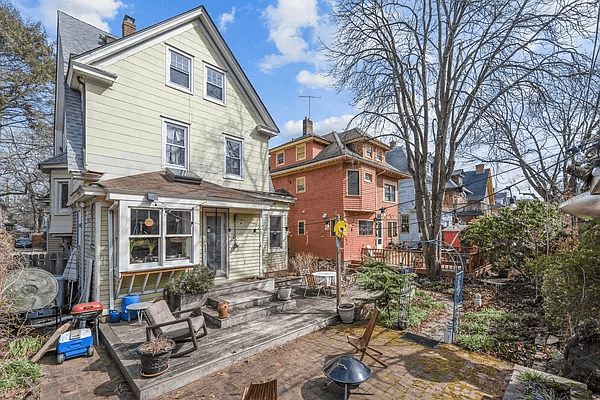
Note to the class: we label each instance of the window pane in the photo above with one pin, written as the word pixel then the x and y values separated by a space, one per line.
pixel 179 223
pixel 145 222
pixel 179 78
pixel 175 148
pixel 175 135
pixel 178 248
pixel 214 84
pixel 275 232
pixel 143 250
pixel 300 227
pixel 353 183
pixel 365 228
pixel 279 158
pixel 233 160
pixel 64 194
pixel 180 62
pixel 214 91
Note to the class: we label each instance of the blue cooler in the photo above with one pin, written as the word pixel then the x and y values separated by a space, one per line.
pixel 74 343
pixel 127 300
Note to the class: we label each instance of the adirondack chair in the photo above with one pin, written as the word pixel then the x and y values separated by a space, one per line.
pixel 361 344
pixel 261 391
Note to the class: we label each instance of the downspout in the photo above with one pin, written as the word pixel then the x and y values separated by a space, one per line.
pixel 82 89
pixel 111 260
pixel 260 243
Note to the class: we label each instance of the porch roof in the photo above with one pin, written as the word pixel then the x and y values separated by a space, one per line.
pixel 158 182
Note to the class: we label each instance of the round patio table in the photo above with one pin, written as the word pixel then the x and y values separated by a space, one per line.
pixel 139 307
pixel 327 276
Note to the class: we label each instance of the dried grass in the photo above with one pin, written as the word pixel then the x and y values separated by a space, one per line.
pixel 303 262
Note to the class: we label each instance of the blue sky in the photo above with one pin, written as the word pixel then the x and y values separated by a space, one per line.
pixel 276 42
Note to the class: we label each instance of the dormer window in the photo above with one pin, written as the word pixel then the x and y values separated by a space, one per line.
pixel 368 151
pixel 214 89
pixel 379 155
pixel 179 70
pixel 300 152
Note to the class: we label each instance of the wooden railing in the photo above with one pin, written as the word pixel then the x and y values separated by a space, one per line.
pixel 473 260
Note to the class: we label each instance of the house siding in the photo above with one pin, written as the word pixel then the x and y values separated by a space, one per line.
pixel 133 107
pixel 244 260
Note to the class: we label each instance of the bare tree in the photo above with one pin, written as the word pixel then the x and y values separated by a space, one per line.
pixel 427 71
pixel 26 98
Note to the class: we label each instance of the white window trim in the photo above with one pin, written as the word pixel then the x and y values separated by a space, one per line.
pixel 164 122
pixel 348 183
pixel 395 193
pixel 277 163
pixel 283 233
pixel 57 208
pixel 400 232
pixel 206 96
pixel 373 231
pixel 368 149
pixel 168 51
pixel 241 141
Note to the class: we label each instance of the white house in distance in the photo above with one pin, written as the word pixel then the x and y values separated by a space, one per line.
pixel 161 158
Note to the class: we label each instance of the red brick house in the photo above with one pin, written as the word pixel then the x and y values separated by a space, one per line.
pixel 338 175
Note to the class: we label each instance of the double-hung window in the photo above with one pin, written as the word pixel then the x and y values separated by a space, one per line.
pixel 280 158
pixel 159 236
pixel 365 228
pixel 368 151
pixel 180 69
pixel 175 145
pixel 404 223
pixel 301 184
pixel 301 228
pixel 353 184
pixel 214 84
pixel 392 229
pixel 275 232
pixel 389 193
pixel 234 157
pixel 300 152
pixel 62 196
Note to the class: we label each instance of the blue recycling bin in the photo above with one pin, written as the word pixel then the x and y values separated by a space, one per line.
pixel 127 300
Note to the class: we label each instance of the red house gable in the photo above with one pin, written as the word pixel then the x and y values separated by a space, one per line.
pixel 342 175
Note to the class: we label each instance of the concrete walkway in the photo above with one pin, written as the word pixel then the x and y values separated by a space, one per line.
pixel 414 372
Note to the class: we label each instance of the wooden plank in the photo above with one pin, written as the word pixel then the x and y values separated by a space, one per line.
pixel 51 341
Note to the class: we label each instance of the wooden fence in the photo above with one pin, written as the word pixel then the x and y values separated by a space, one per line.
pixel 52 262
pixel 475 264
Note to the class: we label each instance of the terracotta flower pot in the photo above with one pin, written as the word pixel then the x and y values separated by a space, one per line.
pixel 223 308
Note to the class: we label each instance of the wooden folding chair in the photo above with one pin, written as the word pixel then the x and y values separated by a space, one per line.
pixel 261 391
pixel 361 344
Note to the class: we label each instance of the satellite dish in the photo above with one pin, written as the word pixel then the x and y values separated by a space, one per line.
pixel 30 289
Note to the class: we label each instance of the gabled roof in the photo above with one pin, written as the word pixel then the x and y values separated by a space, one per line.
pixel 106 54
pixel 476 182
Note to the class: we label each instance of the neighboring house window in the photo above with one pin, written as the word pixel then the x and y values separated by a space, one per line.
pixel 365 228
pixel 275 232
pixel 280 158
pixel 62 196
pixel 147 238
pixel 392 229
pixel 368 177
pixel 301 228
pixel 175 139
pixel 379 155
pixel 180 69
pixel 234 151
pixel 389 193
pixel 405 223
pixel 301 185
pixel 215 84
pixel 300 152
pixel 332 227
pixel 368 151
pixel 353 184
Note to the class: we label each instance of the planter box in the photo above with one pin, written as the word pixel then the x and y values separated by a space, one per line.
pixel 187 301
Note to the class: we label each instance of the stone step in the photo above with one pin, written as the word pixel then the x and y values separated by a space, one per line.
pixel 241 300
pixel 224 287
pixel 246 315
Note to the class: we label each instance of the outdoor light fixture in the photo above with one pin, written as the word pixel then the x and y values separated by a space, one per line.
pixel 152 196
pixel 325 216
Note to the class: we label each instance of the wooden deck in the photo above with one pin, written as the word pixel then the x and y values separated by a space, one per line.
pixel 220 348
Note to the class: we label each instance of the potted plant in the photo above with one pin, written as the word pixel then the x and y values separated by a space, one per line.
pixel 151 244
pixel 285 293
pixel 346 311
pixel 189 289
pixel 154 356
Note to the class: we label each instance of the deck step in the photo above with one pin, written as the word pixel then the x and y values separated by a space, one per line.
pixel 245 315
pixel 241 300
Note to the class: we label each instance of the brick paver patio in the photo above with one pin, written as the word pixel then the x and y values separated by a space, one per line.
pixel 414 372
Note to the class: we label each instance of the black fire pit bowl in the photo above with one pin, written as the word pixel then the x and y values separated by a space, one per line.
pixel 347 372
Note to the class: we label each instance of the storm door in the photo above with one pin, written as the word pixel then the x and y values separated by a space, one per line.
pixel 379 233
pixel 215 232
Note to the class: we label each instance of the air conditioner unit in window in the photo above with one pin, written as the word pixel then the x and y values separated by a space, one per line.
pixel 378 216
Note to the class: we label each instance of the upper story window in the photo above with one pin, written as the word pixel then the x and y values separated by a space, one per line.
pixel 368 151
pixel 365 228
pixel 280 158
pixel 379 155
pixel 301 228
pixel 389 193
pixel 215 84
pixel 404 223
pixel 175 145
pixel 353 184
pixel 234 160
pixel 301 185
pixel 180 69
pixel 368 177
pixel 275 232
pixel 62 196
pixel 392 229
pixel 301 152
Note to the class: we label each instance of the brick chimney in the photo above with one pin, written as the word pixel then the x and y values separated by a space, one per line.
pixel 128 25
pixel 307 126
pixel 479 168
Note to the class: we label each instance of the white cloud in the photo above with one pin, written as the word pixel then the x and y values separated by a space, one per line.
pixel 314 80
pixel 94 12
pixel 288 24
pixel 226 19
pixel 293 129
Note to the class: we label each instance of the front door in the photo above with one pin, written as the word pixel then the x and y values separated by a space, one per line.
pixel 379 233
pixel 215 232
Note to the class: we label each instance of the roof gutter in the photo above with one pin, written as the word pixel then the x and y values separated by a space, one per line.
pixel 334 160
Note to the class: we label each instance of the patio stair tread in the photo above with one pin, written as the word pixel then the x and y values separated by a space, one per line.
pixel 245 315
pixel 243 299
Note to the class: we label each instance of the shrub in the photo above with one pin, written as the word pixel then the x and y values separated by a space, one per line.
pixel 303 262
pixel 477 342
pixel 199 279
